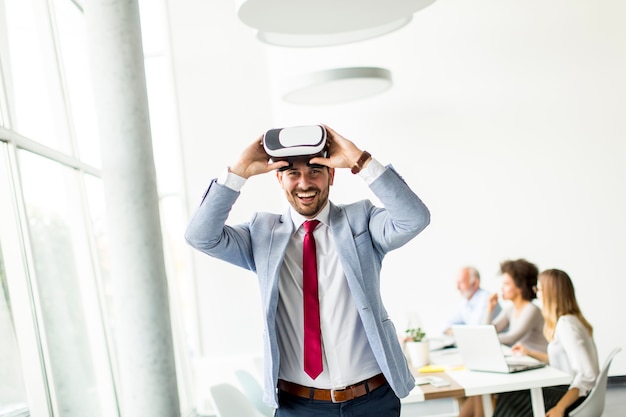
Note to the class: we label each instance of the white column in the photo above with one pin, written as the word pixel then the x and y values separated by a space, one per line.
pixel 147 382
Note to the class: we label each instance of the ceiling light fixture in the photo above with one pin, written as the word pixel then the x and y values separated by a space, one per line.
pixel 325 22
pixel 330 39
pixel 338 85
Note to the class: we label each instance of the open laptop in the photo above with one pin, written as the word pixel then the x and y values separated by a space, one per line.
pixel 481 350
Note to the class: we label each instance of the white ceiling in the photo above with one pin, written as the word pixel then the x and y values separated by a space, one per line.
pixel 458 58
pixel 472 82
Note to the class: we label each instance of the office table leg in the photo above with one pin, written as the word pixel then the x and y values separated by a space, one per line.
pixel 536 397
pixel 487 405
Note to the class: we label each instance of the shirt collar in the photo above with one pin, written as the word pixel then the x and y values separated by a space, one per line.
pixel 298 219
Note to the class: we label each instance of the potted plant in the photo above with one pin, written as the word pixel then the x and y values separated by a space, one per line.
pixel 416 347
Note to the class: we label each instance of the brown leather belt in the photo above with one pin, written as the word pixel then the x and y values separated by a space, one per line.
pixel 335 395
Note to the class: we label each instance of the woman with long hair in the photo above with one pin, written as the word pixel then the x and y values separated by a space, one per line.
pixel 570 349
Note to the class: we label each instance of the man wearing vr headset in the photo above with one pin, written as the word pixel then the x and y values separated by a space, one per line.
pixel 364 371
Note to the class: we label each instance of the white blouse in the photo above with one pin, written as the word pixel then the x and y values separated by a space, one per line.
pixel 574 351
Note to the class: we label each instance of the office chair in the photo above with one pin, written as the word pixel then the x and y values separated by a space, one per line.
pixel 230 402
pixel 593 406
pixel 253 390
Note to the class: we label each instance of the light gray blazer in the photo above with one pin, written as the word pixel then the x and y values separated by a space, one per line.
pixel 363 234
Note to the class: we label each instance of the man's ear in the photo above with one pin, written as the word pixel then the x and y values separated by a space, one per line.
pixel 331 172
pixel 279 177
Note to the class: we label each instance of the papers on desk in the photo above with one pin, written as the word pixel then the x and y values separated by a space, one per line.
pixel 441 342
pixel 443 360
pixel 431 368
pixel 439 368
pixel 435 381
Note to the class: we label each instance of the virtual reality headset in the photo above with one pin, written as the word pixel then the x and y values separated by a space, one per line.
pixel 297 142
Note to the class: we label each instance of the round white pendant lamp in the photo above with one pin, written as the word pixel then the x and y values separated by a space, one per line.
pixel 325 22
pixel 338 85
pixel 330 39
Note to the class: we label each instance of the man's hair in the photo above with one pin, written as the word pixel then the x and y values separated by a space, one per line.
pixel 305 158
pixel 474 275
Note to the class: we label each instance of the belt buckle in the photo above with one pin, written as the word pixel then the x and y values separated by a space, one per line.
pixel 332 395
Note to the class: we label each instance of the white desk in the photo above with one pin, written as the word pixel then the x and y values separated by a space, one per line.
pixel 469 383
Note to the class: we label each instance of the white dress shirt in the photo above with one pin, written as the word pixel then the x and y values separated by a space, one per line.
pixel 347 357
pixel 474 311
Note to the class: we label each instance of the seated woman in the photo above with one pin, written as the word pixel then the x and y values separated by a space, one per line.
pixel 571 349
pixel 520 320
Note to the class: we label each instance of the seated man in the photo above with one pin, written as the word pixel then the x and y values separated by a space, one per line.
pixel 474 307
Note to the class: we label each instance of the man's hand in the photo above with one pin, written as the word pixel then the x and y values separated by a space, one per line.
pixel 342 153
pixel 493 302
pixel 254 161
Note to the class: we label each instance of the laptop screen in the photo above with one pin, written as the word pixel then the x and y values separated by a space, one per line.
pixel 481 350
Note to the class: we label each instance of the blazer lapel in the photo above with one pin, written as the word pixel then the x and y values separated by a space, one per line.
pixel 277 242
pixel 346 249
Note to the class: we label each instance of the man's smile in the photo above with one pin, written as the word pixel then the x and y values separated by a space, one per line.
pixel 306 196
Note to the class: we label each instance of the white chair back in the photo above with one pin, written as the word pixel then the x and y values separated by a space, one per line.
pixel 230 402
pixel 593 406
pixel 254 391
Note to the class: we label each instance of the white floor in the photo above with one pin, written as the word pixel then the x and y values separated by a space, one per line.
pixel 615 405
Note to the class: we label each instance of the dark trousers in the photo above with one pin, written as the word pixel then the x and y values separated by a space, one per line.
pixel 381 402
pixel 518 403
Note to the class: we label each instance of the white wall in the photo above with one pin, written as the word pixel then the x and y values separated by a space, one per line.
pixel 508 120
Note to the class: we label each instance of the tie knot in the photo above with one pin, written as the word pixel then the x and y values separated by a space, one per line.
pixel 310 225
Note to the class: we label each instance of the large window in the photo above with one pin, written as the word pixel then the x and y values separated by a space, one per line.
pixel 31 75
pixel 66 290
pixel 73 52
pixel 55 291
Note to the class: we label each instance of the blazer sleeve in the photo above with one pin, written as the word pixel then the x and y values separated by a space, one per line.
pixel 404 215
pixel 207 230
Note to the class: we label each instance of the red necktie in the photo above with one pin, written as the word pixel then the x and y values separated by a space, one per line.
pixel 312 329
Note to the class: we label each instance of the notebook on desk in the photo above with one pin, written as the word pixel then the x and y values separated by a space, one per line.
pixel 481 350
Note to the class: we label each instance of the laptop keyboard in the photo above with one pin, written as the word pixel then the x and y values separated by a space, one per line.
pixel 516 367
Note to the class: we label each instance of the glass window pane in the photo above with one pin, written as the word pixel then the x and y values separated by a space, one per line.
pixel 4 118
pixel 12 392
pixel 74 54
pixel 95 200
pixel 163 125
pixel 75 342
pixel 34 98
pixel 4 121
